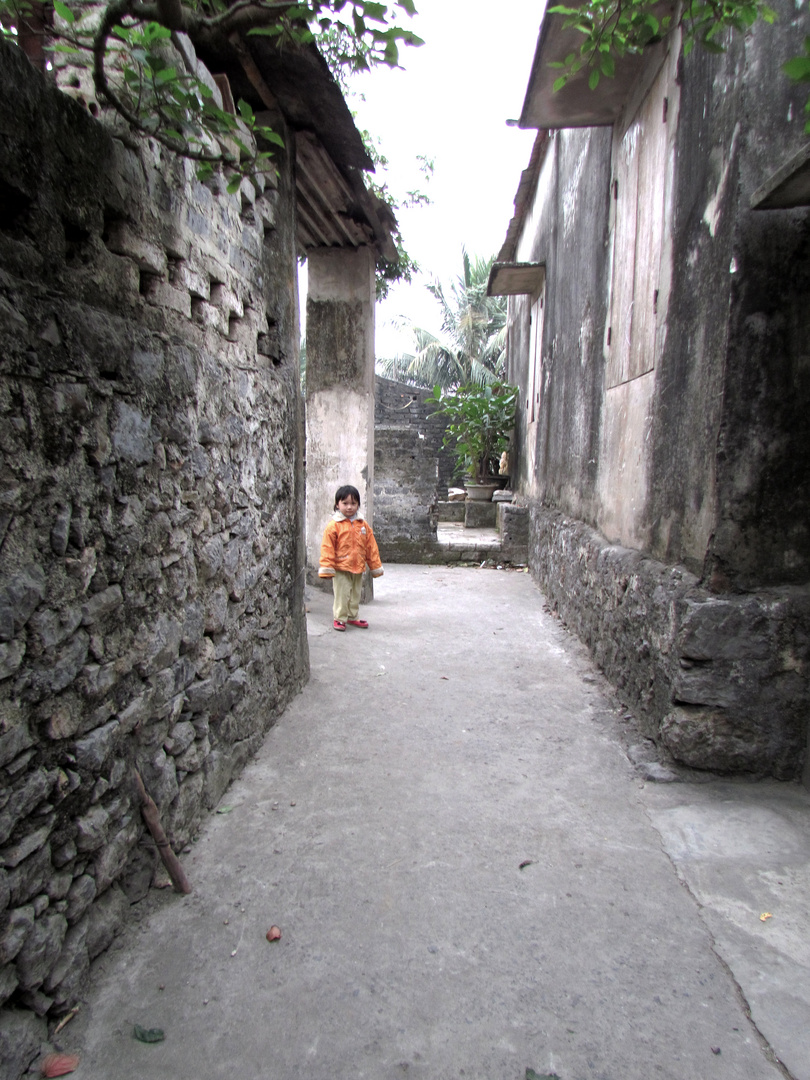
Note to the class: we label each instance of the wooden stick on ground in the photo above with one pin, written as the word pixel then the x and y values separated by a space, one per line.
pixel 152 819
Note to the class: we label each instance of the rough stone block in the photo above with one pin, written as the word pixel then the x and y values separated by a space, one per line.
pixel 709 684
pixel 40 950
pixel 19 924
pixel 14 855
pixel 122 240
pixel 63 668
pixel 101 604
pixel 132 434
pixel 97 680
pixel 111 860
pixel 33 790
pixel 11 657
pixel 54 627
pixel 92 828
pixel 180 738
pixel 135 713
pixel 94 749
pixel 164 295
pixel 16 740
pixel 734 629
pixel 192 759
pixel 105 919
pixel 31 877
pixel 218 770
pixel 21 1035
pixel 19 599
pixel 36 1000
pixel 186 811
pixel 160 646
pixel 80 897
pixel 159 776
pixel 8 984
pixel 721 739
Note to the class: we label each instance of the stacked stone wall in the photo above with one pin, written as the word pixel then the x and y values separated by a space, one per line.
pixel 719 680
pixel 410 470
pixel 151 562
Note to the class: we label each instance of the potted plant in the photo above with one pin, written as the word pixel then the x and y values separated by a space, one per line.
pixel 480 420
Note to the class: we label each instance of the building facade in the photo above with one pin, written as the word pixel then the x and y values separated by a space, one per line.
pixel 658 329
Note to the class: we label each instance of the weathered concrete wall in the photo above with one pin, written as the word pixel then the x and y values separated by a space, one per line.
pixel 151 605
pixel 559 452
pixel 410 470
pixel 763 461
pixel 340 387
pixel 719 446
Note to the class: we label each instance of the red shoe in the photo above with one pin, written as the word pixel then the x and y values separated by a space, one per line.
pixel 338 625
pixel 358 622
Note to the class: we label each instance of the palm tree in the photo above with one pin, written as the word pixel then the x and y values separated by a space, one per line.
pixel 470 348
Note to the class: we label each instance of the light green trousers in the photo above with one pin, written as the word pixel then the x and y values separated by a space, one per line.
pixel 346 588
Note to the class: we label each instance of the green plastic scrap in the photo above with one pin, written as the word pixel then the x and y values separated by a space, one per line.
pixel 148 1035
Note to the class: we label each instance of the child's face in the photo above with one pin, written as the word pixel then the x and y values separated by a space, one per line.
pixel 348 506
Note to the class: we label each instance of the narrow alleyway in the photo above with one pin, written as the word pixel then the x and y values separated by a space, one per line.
pixel 470 878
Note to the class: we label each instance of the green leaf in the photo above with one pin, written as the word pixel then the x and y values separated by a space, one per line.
pixel 271 136
pixel 234 184
pixel 245 111
pixel 559 83
pixel 63 11
pixel 148 1035
pixel 797 68
pixel 375 11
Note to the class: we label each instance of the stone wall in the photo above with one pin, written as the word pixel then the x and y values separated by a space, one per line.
pixel 411 470
pixel 151 606
pixel 718 680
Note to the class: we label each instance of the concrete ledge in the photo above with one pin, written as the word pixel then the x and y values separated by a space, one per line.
pixel 480 514
pixel 451 511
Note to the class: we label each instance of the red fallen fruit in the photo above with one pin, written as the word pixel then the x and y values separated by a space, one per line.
pixel 273 934
pixel 59 1064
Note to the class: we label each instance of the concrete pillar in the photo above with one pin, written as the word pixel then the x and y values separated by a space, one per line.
pixel 340 384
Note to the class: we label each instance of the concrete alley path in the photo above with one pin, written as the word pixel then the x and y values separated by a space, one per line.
pixel 468 877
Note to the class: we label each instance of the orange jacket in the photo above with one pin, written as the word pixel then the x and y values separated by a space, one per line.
pixel 349 545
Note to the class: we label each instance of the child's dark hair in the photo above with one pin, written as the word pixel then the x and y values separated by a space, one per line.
pixel 344 492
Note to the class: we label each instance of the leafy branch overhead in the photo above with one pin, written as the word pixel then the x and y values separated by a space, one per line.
pixel 612 29
pixel 139 66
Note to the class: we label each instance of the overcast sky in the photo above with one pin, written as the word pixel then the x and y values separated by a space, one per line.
pixel 450 103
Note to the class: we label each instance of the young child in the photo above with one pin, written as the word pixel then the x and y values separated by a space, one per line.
pixel 348 545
